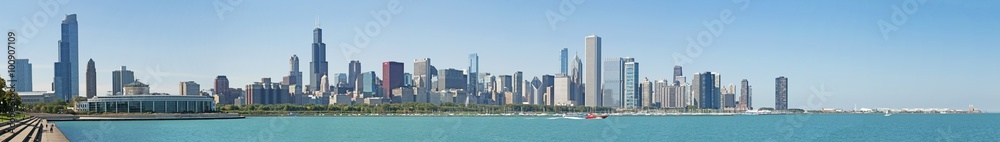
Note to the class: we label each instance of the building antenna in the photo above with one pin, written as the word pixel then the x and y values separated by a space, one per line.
pixel 317 21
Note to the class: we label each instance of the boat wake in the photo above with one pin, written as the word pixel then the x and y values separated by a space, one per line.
pixel 568 117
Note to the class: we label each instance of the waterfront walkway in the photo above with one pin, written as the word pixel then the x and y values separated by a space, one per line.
pixel 55 135
pixel 32 129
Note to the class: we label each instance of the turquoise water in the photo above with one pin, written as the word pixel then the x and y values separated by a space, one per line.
pixel 816 127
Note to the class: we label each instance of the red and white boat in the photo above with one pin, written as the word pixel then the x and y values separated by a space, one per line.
pixel 592 116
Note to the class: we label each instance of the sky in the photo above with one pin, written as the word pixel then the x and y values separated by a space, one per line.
pixel 835 54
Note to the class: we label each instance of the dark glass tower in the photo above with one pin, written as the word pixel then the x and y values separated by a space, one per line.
pixel 677 71
pixel 353 73
pixel 564 59
pixel 710 96
pixel 781 93
pixel 318 65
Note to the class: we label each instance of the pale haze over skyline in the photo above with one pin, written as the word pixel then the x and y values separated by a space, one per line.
pixel 943 55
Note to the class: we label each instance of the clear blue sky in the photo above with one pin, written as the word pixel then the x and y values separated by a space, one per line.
pixel 943 56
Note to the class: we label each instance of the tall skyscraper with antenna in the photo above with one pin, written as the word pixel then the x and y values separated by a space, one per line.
pixel 318 65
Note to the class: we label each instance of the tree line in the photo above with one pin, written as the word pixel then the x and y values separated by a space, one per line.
pixel 411 108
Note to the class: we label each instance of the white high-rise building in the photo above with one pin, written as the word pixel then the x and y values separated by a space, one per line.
pixel 661 93
pixel 562 91
pixel 592 95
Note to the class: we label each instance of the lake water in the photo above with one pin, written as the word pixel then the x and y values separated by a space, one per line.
pixel 815 127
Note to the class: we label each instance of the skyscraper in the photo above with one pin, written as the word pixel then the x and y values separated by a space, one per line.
pixel 119 78
pixel 324 85
pixel 266 92
pixel 678 95
pixel 408 80
pixel 710 95
pixel 318 65
pixel 190 88
pixel 338 79
pixel 66 79
pixel 392 77
pixel 422 69
pixel 222 90
pixel 518 84
pixel 91 79
pixel 632 93
pixel 22 75
pixel 294 75
pixel 548 81
pixel 614 83
pixel 593 94
pixel 451 79
pixel 503 85
pixel 647 92
pixel 561 93
pixel 662 95
pixel 564 60
pixel 781 93
pixel 745 102
pixel 354 73
pixel 576 82
pixel 369 84
pixel 533 91
pixel 729 96
pixel 678 71
pixel 473 75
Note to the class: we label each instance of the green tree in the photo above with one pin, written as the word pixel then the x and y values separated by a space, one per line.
pixel 9 100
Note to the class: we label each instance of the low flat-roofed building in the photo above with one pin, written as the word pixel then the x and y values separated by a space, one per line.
pixel 341 100
pixel 36 97
pixel 374 100
pixel 151 103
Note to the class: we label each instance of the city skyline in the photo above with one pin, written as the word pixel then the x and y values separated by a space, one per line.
pixel 873 59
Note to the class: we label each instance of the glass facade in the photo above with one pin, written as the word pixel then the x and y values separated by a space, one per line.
pixel 564 60
pixel 613 83
pixel 151 104
pixel 473 75
pixel 633 95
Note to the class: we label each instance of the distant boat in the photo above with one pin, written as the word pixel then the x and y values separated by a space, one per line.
pixel 887 113
pixel 292 114
pixel 592 116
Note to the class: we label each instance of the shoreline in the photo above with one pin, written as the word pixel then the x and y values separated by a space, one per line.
pixel 559 115
pixel 135 117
